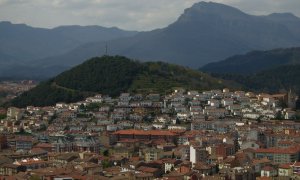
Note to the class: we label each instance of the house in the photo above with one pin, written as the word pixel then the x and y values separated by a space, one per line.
pixel 15 113
pixel 24 143
pixel 268 171
pixel 11 169
pixel 169 164
pixel 251 115
pixel 279 155
pixel 154 171
pixel 64 159
pixel 151 154
pixel 224 150
pixel 285 170
pixel 249 144
pixel 144 135
pixel 227 102
pixel 289 115
pixel 198 154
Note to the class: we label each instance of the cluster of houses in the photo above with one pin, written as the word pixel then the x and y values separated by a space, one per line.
pixel 216 134
pixel 11 89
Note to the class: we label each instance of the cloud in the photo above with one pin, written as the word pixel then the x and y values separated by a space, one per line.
pixel 126 14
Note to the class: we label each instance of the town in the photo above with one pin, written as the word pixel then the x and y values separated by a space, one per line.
pixel 215 134
pixel 11 89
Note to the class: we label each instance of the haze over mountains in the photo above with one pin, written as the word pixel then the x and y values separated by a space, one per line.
pixel 204 33
pixel 21 45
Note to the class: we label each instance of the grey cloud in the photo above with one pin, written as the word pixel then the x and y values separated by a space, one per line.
pixel 126 14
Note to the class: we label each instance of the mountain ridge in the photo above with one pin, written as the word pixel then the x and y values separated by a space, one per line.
pixel 206 32
pixel 197 37
pixel 255 61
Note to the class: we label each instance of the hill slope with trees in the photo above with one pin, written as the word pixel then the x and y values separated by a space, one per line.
pixel 113 75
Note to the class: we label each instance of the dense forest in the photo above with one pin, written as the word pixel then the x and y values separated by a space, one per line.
pixel 255 62
pixel 280 79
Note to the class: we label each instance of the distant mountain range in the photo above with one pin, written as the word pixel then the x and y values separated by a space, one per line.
pixel 21 45
pixel 270 71
pixel 206 32
pixel 113 75
pixel 254 62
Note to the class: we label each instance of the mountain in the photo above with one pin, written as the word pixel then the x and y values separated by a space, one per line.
pixel 289 20
pixel 21 44
pixel 268 71
pixel 204 33
pixel 255 61
pixel 113 75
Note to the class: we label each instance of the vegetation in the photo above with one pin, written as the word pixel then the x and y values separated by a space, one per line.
pixel 255 62
pixel 46 93
pixel 113 75
pixel 279 79
pixel 2 116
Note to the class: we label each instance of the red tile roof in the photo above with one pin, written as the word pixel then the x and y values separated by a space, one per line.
pixel 142 132
pixel 268 168
pixel 291 150
pixel 147 169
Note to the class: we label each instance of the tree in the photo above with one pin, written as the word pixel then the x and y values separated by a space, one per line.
pixel 106 153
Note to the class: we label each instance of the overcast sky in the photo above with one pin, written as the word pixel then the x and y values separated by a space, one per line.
pixel 126 14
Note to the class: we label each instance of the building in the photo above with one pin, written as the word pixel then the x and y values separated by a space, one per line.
pixel 151 154
pixel 198 154
pixel 279 155
pixel 24 143
pixel 142 135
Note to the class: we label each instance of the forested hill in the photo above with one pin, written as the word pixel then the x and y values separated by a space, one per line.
pixel 113 75
pixel 274 80
pixel 255 61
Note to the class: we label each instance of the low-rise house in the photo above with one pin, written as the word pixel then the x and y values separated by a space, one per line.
pixel 268 171
pixel 285 170
pixel 251 115
pixel 64 159
pixel 227 102
pixel 151 154
pixel 289 115
pixel 149 170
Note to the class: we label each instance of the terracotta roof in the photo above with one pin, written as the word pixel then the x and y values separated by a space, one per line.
pixel 147 169
pixel 285 166
pixel 142 132
pixel 44 145
pixel 259 161
pixel 268 168
pixel 291 150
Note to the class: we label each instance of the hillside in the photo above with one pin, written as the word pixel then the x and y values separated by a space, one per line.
pixel 206 32
pixel 282 78
pixel 112 75
pixel 255 62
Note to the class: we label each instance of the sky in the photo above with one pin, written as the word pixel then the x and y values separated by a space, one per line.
pixel 141 15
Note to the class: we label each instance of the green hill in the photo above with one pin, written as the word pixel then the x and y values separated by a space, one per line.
pixel 282 78
pixel 255 62
pixel 113 75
